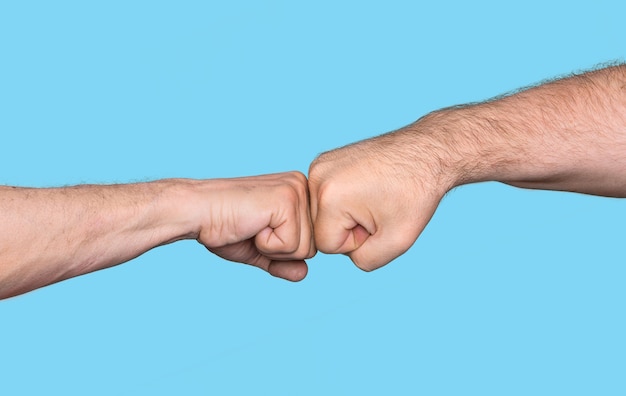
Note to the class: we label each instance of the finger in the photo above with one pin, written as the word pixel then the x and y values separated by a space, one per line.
pixel 380 249
pixel 305 248
pixel 246 253
pixel 291 270
pixel 243 252
pixel 282 235
pixel 306 244
pixel 339 236
pixel 313 188
pixel 294 271
pixel 307 241
pixel 290 231
pixel 339 231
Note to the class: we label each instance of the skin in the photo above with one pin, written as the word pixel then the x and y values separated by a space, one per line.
pixel 369 200
pixel 49 235
pixel 372 199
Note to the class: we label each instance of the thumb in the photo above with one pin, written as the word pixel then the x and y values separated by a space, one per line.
pixel 339 232
pixel 368 244
pixel 379 249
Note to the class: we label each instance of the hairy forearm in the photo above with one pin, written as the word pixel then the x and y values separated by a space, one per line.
pixel 567 135
pixel 372 199
pixel 49 235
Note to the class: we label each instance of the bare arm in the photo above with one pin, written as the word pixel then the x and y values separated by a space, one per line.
pixel 48 235
pixel 568 135
pixel 372 199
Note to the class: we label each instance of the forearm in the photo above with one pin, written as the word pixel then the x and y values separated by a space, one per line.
pixel 372 199
pixel 48 235
pixel 566 135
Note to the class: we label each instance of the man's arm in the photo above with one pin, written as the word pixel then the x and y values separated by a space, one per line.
pixel 48 235
pixel 372 199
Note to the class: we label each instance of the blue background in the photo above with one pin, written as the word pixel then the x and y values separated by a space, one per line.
pixel 508 291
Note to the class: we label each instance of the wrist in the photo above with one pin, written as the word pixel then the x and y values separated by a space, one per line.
pixel 472 144
pixel 176 205
pixel 444 149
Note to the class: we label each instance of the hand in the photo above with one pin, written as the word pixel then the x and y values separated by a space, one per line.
pixel 262 221
pixel 371 200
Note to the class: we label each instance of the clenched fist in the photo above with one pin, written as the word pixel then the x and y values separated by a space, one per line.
pixel 260 220
pixel 372 199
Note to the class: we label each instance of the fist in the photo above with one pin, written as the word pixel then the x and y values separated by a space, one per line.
pixel 261 220
pixel 372 199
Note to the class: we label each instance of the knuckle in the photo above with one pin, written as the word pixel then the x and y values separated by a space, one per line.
pixel 327 192
pixel 295 186
pixel 296 178
pixel 300 177
pixel 287 193
pixel 316 167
